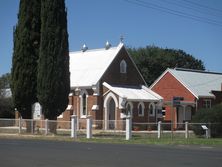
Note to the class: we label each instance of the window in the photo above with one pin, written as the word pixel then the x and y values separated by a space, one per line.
pixel 83 103
pixel 207 103
pixel 151 109
pixel 129 108
pixel 140 109
pixel 123 67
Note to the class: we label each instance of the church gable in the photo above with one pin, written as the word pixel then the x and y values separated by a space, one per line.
pixel 123 71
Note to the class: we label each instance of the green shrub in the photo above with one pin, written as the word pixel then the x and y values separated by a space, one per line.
pixel 213 118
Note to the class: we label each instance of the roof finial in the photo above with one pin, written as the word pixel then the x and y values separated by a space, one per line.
pixel 84 48
pixel 121 39
pixel 108 45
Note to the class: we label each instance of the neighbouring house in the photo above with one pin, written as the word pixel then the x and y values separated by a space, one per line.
pixel 200 89
pixel 107 85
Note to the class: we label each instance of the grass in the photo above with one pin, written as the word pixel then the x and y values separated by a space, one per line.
pixel 120 139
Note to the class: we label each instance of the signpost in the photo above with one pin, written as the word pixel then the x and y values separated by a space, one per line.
pixel 176 101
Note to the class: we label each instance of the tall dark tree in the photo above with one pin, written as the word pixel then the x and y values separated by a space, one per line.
pixel 152 61
pixel 53 68
pixel 25 57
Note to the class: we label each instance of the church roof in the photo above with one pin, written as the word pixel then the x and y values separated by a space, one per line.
pixel 140 93
pixel 88 66
pixel 199 83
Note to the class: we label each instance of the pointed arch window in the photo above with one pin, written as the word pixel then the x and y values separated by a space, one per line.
pixel 83 104
pixel 152 109
pixel 141 109
pixel 129 109
pixel 123 67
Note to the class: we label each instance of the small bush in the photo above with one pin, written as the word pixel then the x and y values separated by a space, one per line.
pixel 213 118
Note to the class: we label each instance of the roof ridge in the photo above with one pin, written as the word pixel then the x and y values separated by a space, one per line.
pixel 195 70
pixel 97 49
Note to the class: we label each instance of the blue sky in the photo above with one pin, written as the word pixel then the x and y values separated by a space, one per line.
pixel 141 22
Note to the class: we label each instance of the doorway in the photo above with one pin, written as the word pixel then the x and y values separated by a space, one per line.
pixel 111 114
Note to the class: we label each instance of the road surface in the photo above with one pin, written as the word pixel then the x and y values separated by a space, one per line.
pixel 35 153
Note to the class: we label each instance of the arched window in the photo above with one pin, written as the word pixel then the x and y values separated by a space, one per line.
pixel 123 67
pixel 83 103
pixel 129 109
pixel 141 109
pixel 152 109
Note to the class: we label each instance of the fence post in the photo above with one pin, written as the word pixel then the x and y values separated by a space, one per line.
pixel 32 126
pixel 46 126
pixel 20 125
pixel 186 130
pixel 89 127
pixel 159 129
pixel 73 126
pixel 128 127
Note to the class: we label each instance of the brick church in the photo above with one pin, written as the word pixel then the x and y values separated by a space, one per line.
pixel 107 85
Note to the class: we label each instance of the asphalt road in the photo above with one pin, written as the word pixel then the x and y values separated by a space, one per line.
pixel 34 153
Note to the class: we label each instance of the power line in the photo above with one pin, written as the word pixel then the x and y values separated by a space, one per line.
pixel 203 6
pixel 185 5
pixel 173 12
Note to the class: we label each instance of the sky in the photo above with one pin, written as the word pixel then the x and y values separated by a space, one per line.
pixel 194 26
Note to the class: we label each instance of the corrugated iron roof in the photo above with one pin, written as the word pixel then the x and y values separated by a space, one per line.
pixel 201 83
pixel 86 68
pixel 134 93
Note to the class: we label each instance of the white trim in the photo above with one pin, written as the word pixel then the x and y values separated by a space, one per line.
pixel 152 92
pixel 119 47
pixel 131 109
pixel 107 99
pixel 159 78
pixel 69 107
pixel 164 73
pixel 60 116
pixel 142 105
pixel 136 68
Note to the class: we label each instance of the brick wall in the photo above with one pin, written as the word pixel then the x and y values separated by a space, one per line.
pixel 113 75
pixel 168 87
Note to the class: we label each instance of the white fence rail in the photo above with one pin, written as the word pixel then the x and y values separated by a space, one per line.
pixel 89 128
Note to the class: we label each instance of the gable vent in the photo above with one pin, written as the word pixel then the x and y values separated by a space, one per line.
pixel 84 48
pixel 108 45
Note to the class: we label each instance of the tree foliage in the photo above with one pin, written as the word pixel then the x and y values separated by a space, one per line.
pixel 25 56
pixel 4 83
pixel 152 61
pixel 213 116
pixel 53 68
pixel 6 106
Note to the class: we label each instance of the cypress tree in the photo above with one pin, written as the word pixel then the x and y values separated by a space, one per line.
pixel 25 57
pixel 53 68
